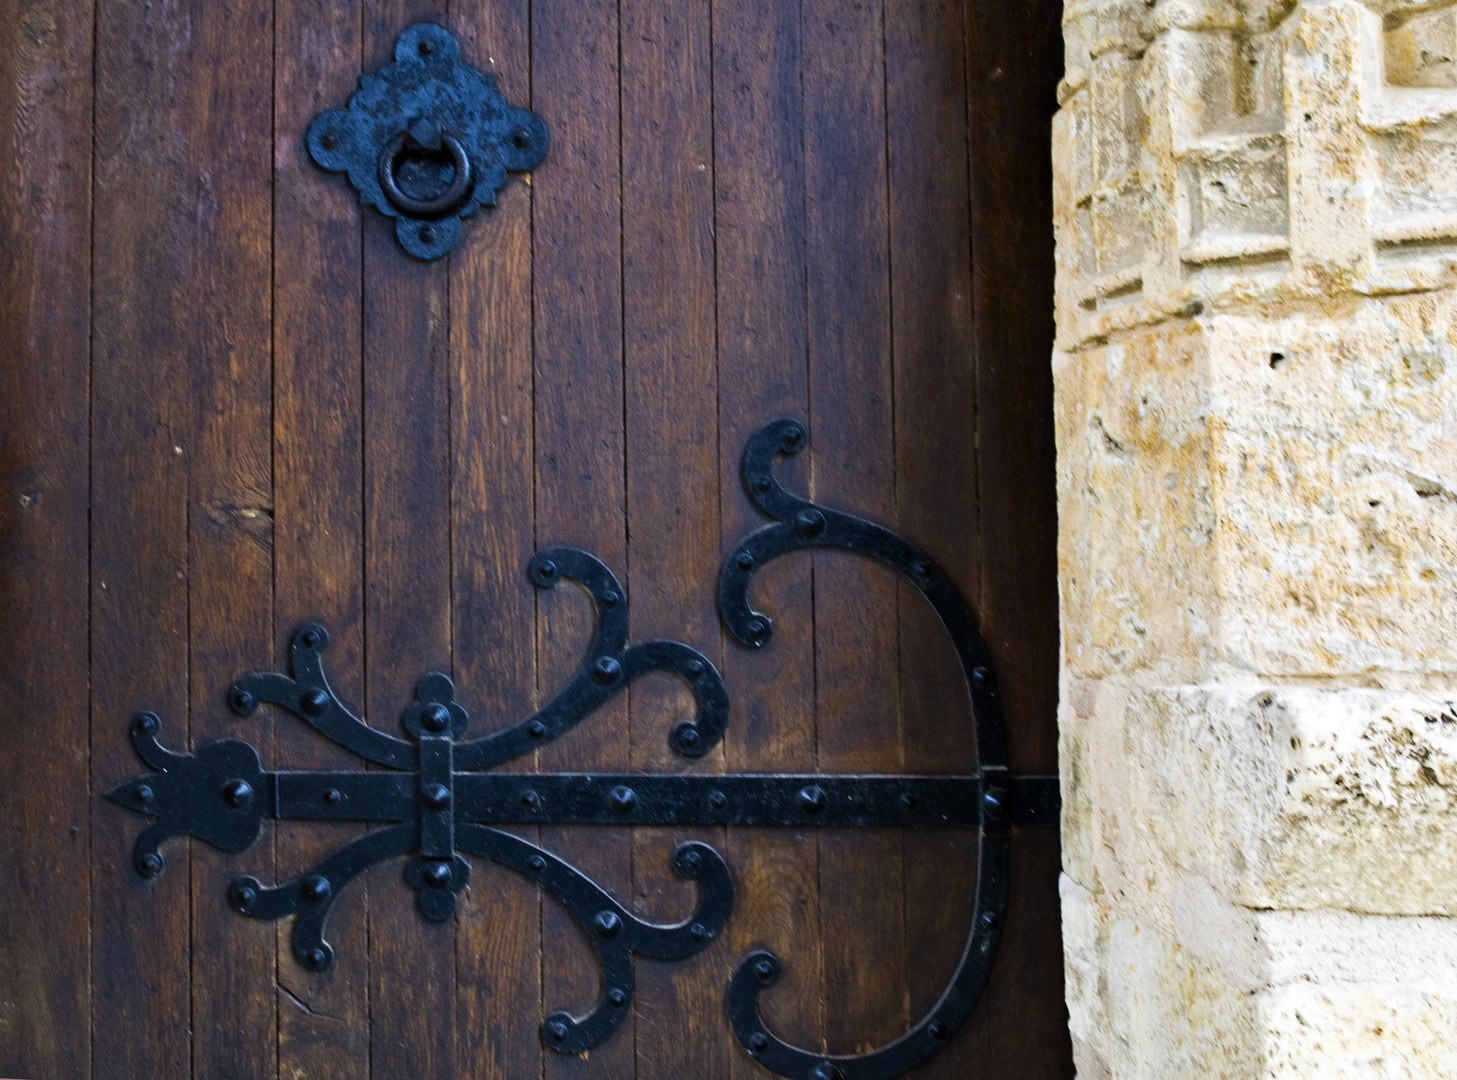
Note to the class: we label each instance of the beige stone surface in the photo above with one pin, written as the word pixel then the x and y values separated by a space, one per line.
pixel 1256 393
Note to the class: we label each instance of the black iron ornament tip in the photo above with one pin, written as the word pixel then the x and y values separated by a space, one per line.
pixel 427 140
pixel 438 803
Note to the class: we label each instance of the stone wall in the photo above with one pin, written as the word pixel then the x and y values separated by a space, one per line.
pixel 1257 434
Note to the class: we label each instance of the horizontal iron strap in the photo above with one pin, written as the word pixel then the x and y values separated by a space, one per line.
pixel 775 799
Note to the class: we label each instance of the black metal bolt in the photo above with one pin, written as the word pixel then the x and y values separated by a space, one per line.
pixel 606 670
pixel 557 1030
pixel 764 969
pixel 792 438
pixel 332 796
pixel 762 484
pixel 688 736
pixel 314 702
pixel 316 959
pixel 908 801
pixel 622 799
pixel 694 667
pixel 241 701
pixel 698 931
pixel 537 863
pixel 608 924
pixel 536 730
pixel 329 140
pixel 150 864
pixel 243 894
pixel 427 234
pixel 529 798
pixel 316 888
pixel 436 796
pixel 758 1040
pixel 994 801
pixel 521 138
pixel 825 1071
pixel 812 799
pixel 311 636
pixel 755 627
pixel 717 799
pixel 144 794
pixel 937 1029
pixel 744 561
pixel 610 598
pixel 238 792
pixel 989 919
pixel 809 522
pixel 426 47
pixel 147 723
pixel 437 873
pixel 692 859
pixel 922 569
pixel 436 717
pixel 980 675
pixel 617 996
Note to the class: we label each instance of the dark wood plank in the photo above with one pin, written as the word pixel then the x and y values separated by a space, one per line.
pixel 227 110
pixel 45 912
pixel 498 947
pixel 760 230
pixel 577 253
pixel 851 431
pixel 671 391
pixel 935 434
pixel 323 1019
pixel 1012 64
pixel 407 586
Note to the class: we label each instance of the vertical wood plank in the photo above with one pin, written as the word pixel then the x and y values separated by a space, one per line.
pixel 759 217
pixel 577 252
pixel 227 110
pixel 1012 69
pixel 671 390
pixel 936 438
pixel 856 652
pixel 407 591
pixel 498 947
pixel 45 918
pixel 323 1019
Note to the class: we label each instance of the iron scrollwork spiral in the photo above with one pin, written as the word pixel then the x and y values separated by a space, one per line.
pixel 438 802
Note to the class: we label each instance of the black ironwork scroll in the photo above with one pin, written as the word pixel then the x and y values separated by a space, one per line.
pixel 438 802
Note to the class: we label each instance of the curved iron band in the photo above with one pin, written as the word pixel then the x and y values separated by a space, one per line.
pixel 455 193
pixel 613 930
pixel 802 524
pixel 608 667
pixel 310 896
pixel 326 713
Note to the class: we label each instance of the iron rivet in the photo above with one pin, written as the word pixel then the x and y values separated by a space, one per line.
pixel 717 799
pixel 316 958
pixel 426 48
pixel 698 931
pixel 825 1071
pixel 792 438
pixel 427 234
pixel 755 627
pixel 812 799
pixel 809 522
pixel 238 792
pixel 610 598
pixel 922 569
pixel 995 801
pixel 980 675
pixel 332 796
pixel 310 637
pixel 145 794
pixel 536 730
pixel 545 570
pixel 688 735
pixel 436 717
pixel 694 667
pixel 608 924
pixel 147 722
pixel 538 863
pixel 521 138
pixel 243 896
pixel 617 996
pixel 330 140
pixel 606 670
pixel 989 919
pixel 557 1030
pixel 744 561
pixel 529 798
pixel 758 1040
pixel 764 968
pixel 315 702
pixel 692 860
pixel 762 485
pixel 241 701
pixel 316 888
pixel 908 801
pixel 437 873
pixel 937 1029
pixel 437 796
pixel 150 864
pixel 622 799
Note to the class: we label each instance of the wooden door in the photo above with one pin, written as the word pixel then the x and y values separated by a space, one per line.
pixel 230 404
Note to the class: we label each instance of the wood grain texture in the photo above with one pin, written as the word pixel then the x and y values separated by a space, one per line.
pixel 580 487
pixel 671 390
pixel 498 947
pixel 45 917
pixel 323 1018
